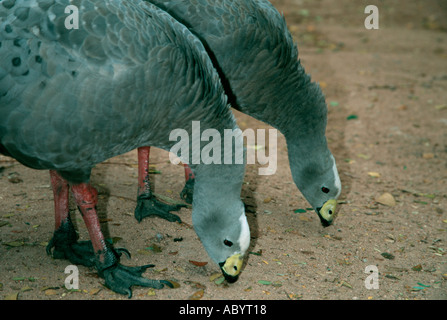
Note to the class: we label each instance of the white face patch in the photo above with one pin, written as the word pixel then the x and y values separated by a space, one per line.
pixel 244 238
pixel 337 178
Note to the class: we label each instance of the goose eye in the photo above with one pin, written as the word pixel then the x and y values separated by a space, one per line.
pixel 228 243
pixel 325 190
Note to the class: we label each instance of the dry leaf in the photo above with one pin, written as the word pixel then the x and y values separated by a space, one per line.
pixel 175 285
pixel 180 269
pixel 374 174
pixel 198 264
pixel 151 293
pixel 154 248
pixel 15 243
pixel 51 292
pixel 215 276
pixel 143 251
pixel 267 200
pixel 197 295
pixel 293 296
pixel 12 296
pixel 417 268
pixel 363 156
pixel 94 292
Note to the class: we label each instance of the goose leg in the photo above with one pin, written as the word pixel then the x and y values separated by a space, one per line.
pixel 118 277
pixel 187 191
pixel 147 203
pixel 65 238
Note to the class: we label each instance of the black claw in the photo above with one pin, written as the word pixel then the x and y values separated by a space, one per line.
pixel 123 250
pixel 167 283
pixel 151 206
pixel 120 279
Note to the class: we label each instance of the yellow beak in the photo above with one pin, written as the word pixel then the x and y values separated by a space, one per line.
pixel 232 267
pixel 327 212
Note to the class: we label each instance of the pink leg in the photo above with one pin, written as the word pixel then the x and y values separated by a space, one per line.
pixel 117 277
pixel 147 204
pixel 143 170
pixel 64 241
pixel 188 172
pixel 60 191
pixel 86 198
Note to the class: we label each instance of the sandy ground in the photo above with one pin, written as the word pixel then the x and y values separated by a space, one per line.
pixel 386 91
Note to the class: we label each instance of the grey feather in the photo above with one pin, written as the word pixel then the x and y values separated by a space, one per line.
pixel 72 98
pixel 257 59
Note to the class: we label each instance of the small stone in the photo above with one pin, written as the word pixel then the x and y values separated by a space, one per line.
pixel 386 199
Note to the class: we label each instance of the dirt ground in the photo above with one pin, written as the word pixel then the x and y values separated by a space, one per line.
pixel 387 97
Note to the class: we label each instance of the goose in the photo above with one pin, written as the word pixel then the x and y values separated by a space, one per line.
pixel 257 60
pixel 128 76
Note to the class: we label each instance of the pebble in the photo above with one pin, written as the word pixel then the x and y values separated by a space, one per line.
pixel 386 199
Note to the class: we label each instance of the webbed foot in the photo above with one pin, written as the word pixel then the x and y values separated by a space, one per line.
pixel 120 279
pixel 65 245
pixel 151 206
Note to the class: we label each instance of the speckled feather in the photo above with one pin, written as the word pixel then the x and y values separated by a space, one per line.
pixel 128 76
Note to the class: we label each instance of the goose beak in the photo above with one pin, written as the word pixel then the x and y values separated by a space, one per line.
pixel 232 267
pixel 327 212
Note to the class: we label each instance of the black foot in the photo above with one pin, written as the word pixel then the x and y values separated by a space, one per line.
pixel 117 277
pixel 120 279
pixel 67 247
pixel 187 191
pixel 151 206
